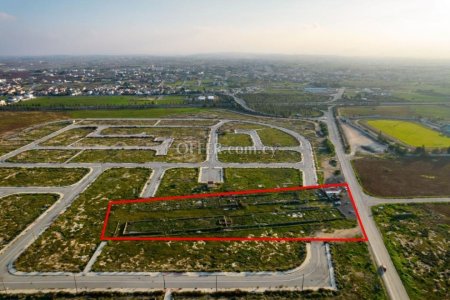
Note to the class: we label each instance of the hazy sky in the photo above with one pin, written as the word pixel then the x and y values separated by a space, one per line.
pixel 404 28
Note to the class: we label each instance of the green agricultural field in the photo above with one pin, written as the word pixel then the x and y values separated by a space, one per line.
pixel 40 176
pixel 69 137
pixel 43 156
pixel 416 236
pixel 235 139
pixel 71 101
pixel 19 210
pixel 410 133
pixel 70 241
pixel 257 156
pixel 440 113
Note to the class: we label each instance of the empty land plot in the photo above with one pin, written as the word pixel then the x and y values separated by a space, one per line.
pixel 22 177
pixel 356 275
pixel 69 242
pixel 433 112
pixel 416 236
pixel 277 138
pixel 43 156
pixel 128 122
pixel 184 181
pixel 117 156
pixel 404 177
pixel 205 123
pixel 19 210
pixel 235 139
pixel 189 144
pixel 410 133
pixel 199 256
pixel 7 146
pixel 12 121
pixel 259 178
pixel 34 133
pixel 259 156
pixel 117 142
pixel 68 137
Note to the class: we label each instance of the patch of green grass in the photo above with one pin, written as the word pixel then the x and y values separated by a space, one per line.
pixel 136 113
pixel 235 139
pixel 411 133
pixel 116 156
pixel 257 156
pixel 257 178
pixel 43 156
pixel 117 141
pixel 356 275
pixel 69 242
pixel 41 176
pixel 416 236
pixel 19 210
pixel 276 138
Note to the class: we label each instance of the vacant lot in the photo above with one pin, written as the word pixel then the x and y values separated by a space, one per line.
pixel 19 210
pixel 43 156
pixel 184 181
pixel 117 141
pixel 69 137
pixel 433 112
pixel 228 139
pixel 416 236
pixel 410 133
pixel 257 156
pixel 404 177
pixel 356 275
pixel 17 120
pixel 70 241
pixel 40 176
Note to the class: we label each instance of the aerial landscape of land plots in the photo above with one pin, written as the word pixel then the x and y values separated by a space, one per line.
pixel 82 164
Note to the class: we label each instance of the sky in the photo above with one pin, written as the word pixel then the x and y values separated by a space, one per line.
pixel 378 28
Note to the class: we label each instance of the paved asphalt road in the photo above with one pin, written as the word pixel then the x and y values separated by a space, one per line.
pixel 391 279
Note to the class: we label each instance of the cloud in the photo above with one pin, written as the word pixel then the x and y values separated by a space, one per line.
pixel 4 17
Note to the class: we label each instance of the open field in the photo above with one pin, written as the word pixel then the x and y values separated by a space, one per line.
pixel 40 176
pixel 10 145
pixel 284 214
pixel 43 156
pixel 199 256
pixel 12 121
pixel 269 136
pixel 39 131
pixel 432 112
pixel 136 113
pixel 19 210
pixel 356 276
pixel 117 141
pixel 284 103
pixel 187 122
pixel 404 177
pixel 235 139
pixel 410 133
pixel 69 137
pixel 70 241
pixel 416 236
pixel 70 101
pixel 250 156
pixel 183 181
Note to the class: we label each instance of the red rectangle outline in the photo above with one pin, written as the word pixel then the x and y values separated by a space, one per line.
pixel 229 239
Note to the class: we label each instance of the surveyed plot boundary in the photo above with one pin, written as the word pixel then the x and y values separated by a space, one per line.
pixel 364 238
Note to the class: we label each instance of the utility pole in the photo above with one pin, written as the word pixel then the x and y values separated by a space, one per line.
pixel 303 281
pixel 164 281
pixel 216 283
pixel 76 286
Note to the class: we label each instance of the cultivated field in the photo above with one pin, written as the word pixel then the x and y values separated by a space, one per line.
pixel 416 236
pixel 19 210
pixel 404 177
pixel 410 133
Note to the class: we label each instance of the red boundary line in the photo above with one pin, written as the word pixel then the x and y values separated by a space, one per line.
pixel 246 192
